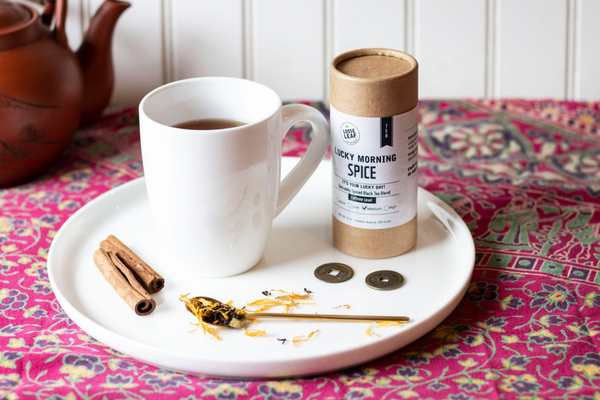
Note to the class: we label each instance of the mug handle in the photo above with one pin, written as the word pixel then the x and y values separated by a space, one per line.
pixel 293 182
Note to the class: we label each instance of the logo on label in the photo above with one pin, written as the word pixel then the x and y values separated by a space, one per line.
pixel 350 133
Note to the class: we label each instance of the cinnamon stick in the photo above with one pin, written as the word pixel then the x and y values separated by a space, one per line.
pixel 124 282
pixel 150 279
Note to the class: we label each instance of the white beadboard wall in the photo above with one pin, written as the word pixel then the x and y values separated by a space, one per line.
pixel 465 48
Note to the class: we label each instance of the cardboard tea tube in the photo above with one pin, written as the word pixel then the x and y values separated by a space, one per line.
pixel 374 118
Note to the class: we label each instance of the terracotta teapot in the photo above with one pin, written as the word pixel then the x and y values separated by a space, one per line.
pixel 46 90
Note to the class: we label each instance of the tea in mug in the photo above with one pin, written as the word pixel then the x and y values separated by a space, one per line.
pixel 209 124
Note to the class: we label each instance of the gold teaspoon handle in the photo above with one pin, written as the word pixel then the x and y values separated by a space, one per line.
pixel 336 317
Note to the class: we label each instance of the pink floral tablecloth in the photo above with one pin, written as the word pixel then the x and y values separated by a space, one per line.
pixel 525 177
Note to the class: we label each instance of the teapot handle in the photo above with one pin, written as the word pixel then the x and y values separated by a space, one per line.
pixel 58 9
pixel 48 13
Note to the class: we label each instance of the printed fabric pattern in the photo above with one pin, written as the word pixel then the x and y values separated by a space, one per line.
pixel 524 176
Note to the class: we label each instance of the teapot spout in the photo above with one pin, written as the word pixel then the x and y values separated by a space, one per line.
pixel 95 59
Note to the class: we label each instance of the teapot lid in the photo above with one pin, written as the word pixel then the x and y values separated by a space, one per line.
pixel 19 24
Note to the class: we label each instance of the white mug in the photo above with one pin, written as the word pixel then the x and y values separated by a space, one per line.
pixel 214 193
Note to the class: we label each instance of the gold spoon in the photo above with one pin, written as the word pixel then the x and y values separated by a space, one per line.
pixel 330 317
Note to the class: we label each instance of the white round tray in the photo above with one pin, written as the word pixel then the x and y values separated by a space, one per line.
pixel 437 272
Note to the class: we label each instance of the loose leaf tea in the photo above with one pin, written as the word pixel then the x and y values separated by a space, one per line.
pixel 213 313
pixel 224 314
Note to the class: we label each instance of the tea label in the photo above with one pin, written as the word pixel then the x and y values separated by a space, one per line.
pixel 374 169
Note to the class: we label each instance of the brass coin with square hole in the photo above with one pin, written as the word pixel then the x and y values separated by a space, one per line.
pixel 384 280
pixel 334 272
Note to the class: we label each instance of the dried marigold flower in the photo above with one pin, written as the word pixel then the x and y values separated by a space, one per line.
pixel 369 332
pixel 255 332
pixel 292 296
pixel 288 300
pixel 387 323
pixel 298 339
pixel 267 304
pixel 346 306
